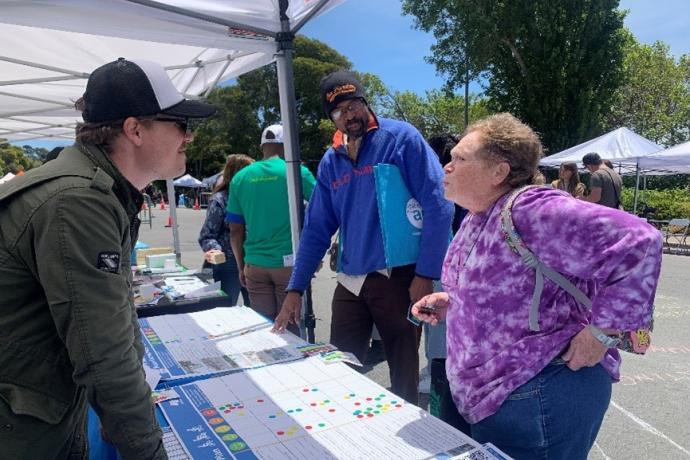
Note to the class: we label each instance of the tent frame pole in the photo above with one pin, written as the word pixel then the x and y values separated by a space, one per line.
pixel 637 187
pixel 173 218
pixel 288 113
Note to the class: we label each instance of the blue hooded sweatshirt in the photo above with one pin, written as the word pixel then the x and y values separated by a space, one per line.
pixel 345 198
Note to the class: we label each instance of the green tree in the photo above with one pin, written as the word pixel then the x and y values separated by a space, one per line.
pixel 12 159
pixel 256 95
pixel 654 100
pixel 555 65
pixel 35 153
pixel 234 129
pixel 436 112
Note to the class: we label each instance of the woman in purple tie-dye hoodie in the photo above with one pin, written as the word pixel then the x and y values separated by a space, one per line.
pixel 535 391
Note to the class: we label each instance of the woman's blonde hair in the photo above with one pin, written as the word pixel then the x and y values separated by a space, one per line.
pixel 505 138
pixel 235 162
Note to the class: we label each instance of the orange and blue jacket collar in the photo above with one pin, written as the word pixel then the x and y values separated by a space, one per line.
pixel 338 136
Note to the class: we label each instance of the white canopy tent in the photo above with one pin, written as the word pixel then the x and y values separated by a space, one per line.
pixel 622 146
pixel 674 160
pixel 6 177
pixel 49 47
pixel 188 181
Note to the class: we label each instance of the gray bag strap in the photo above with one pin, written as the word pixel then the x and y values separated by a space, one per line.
pixel 541 269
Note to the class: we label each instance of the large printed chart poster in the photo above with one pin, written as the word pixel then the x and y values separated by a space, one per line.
pixel 213 342
pixel 303 410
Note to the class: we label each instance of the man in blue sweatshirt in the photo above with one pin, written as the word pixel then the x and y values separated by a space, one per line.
pixel 344 199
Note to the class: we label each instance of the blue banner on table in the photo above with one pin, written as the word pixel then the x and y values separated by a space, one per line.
pixel 400 215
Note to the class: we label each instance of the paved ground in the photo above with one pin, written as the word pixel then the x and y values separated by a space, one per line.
pixel 649 417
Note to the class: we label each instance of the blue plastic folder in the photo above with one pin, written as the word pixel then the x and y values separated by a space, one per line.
pixel 400 215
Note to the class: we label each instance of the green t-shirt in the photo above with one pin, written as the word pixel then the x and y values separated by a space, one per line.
pixel 258 195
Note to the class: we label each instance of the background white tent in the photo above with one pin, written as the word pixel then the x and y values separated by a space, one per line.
pixel 49 47
pixel 622 146
pixel 674 160
pixel 188 181
pixel 6 177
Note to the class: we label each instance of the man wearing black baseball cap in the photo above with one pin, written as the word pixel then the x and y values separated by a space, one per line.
pixel 369 291
pixel 605 184
pixel 69 329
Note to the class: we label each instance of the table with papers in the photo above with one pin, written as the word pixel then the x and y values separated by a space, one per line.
pixel 176 293
pixel 231 389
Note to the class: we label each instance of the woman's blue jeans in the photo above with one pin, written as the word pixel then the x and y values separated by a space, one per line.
pixel 556 415
pixel 229 277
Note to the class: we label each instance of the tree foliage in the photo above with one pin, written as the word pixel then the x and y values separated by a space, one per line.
pixel 253 103
pixel 555 65
pixel 654 100
pixel 434 113
pixel 13 159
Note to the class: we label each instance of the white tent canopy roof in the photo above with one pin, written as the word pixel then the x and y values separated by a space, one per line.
pixel 49 48
pixel 188 181
pixel 6 177
pixel 622 146
pixel 675 160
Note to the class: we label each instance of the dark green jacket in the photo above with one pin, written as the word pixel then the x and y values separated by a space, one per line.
pixel 68 325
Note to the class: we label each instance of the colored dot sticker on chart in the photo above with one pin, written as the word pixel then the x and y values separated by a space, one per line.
pixel 235 446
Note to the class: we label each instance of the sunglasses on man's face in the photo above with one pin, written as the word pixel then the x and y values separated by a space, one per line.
pixel 181 123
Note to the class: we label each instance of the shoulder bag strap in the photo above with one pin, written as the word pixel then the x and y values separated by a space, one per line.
pixel 531 260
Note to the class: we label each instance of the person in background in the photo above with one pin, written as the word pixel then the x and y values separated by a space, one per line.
pixel 259 218
pixel 368 292
pixel 68 325
pixel 435 337
pixel 569 180
pixel 538 178
pixel 433 378
pixel 534 377
pixel 53 154
pixel 442 144
pixel 605 185
pixel 215 235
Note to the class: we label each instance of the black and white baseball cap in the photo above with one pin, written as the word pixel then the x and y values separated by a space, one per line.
pixel 272 135
pixel 124 88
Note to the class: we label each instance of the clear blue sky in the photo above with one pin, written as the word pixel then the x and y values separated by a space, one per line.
pixel 377 38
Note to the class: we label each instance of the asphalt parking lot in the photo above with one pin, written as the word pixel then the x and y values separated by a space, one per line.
pixel 649 416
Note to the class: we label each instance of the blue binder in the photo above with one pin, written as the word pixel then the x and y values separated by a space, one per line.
pixel 400 216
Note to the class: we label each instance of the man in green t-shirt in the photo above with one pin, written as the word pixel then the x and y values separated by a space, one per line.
pixel 259 220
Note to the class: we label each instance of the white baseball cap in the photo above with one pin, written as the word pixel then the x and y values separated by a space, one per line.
pixel 272 135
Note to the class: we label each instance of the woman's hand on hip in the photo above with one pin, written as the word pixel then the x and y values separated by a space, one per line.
pixel 584 350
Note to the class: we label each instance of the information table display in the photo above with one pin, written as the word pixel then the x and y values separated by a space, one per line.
pixel 304 410
pixel 213 342
pixel 232 389
pixel 174 293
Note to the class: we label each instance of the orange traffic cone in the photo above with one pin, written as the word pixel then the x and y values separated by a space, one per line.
pixel 169 224
pixel 196 204
pixel 162 204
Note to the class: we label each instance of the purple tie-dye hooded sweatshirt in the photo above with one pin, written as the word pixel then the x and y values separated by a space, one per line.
pixel 612 256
